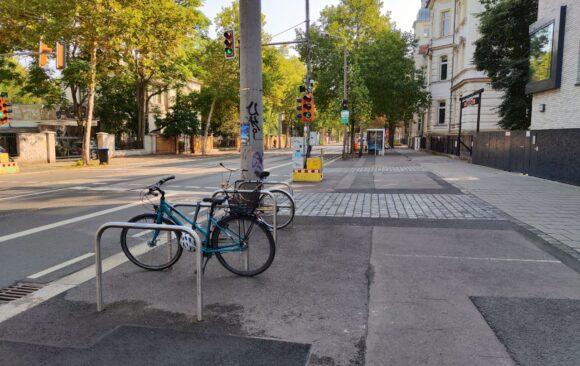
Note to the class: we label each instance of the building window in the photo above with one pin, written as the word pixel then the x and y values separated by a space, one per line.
pixel 445 23
pixel 443 70
pixel 441 109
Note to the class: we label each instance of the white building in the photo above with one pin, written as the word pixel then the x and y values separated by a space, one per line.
pixel 556 100
pixel 452 30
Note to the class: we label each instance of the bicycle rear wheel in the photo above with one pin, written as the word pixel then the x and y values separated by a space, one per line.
pixel 153 250
pixel 247 245
pixel 284 206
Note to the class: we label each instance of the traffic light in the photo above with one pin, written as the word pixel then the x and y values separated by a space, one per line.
pixel 230 44
pixel 5 110
pixel 299 108
pixel 344 105
pixel 60 55
pixel 44 51
pixel 308 108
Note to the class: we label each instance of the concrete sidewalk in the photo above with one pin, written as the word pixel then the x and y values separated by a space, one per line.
pixel 390 261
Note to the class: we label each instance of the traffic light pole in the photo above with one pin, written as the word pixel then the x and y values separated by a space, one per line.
pixel 251 107
pixel 306 143
pixel 344 96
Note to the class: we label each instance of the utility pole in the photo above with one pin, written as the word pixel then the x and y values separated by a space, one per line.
pixel 251 107
pixel 306 143
pixel 344 96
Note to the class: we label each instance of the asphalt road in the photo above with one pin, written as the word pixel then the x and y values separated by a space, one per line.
pixel 48 218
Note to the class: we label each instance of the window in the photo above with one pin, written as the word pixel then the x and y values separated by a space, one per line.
pixel 443 70
pixel 441 119
pixel 445 23
pixel 426 32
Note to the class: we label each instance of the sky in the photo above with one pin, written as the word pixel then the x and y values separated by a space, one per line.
pixel 283 14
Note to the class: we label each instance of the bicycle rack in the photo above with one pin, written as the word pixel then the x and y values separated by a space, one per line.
pixel 173 228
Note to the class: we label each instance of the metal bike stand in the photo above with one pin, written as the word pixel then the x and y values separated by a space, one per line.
pixel 276 183
pixel 174 228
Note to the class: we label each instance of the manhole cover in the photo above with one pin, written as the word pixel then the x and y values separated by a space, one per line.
pixel 18 291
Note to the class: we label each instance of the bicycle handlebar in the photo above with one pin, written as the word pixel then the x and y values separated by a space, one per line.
pixel 164 180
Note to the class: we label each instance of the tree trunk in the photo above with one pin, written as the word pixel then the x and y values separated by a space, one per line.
pixel 206 129
pixel 91 102
pixel 141 109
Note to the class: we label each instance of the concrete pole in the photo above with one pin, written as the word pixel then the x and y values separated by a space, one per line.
pixel 251 107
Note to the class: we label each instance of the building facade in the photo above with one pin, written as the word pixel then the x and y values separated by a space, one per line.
pixel 446 48
pixel 558 107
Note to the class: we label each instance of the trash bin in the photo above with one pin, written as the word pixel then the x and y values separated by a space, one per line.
pixel 103 156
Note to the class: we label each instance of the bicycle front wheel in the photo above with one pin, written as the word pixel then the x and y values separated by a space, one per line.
pixel 245 245
pixel 153 250
pixel 284 206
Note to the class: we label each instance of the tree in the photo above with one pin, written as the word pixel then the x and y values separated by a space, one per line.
pixel 115 106
pixel 503 52
pixel 396 88
pixel 153 41
pixel 383 84
pixel 182 119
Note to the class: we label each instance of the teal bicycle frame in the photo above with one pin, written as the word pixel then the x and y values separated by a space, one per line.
pixel 167 210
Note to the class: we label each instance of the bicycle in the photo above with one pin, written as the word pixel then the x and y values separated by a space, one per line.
pixel 284 202
pixel 229 238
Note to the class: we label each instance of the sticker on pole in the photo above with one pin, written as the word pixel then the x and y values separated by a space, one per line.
pixel 344 117
pixel 245 133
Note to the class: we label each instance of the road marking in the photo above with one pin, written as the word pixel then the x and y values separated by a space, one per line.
pixel 475 258
pixel 281 165
pixel 62 265
pixel 64 284
pixel 66 222
pixel 33 194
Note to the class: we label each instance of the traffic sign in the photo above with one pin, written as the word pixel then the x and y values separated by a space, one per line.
pixel 344 117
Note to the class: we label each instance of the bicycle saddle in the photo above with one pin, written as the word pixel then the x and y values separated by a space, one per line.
pixel 264 174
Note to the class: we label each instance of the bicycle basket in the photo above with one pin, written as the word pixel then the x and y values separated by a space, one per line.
pixel 245 203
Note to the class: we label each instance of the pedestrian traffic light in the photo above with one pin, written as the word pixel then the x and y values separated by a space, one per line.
pixel 43 51
pixel 344 105
pixel 60 55
pixel 230 44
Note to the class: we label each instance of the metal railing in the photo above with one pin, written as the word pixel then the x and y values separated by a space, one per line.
pixel 173 228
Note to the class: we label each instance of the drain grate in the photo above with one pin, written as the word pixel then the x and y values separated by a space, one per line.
pixel 18 291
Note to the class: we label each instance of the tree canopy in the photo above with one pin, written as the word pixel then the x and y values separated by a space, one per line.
pixel 503 52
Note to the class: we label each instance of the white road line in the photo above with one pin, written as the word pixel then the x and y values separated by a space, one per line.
pixel 62 265
pixel 33 194
pixel 475 258
pixel 64 284
pixel 279 166
pixel 66 222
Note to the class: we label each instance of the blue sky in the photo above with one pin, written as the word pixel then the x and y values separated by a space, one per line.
pixel 283 14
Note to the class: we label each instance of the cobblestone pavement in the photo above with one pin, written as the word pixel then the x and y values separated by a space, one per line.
pixel 403 206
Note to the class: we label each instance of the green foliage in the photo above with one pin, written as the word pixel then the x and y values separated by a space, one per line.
pixel 39 84
pixel 382 80
pixel 503 52
pixel 115 105
pixel 182 118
